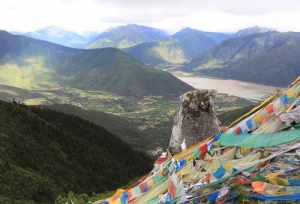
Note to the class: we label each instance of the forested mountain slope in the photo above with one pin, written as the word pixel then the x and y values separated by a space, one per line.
pixel 45 153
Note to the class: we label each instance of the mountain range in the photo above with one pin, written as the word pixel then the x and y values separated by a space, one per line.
pixel 252 30
pixel 29 63
pixel 179 48
pixel 149 45
pixel 127 36
pixel 188 46
pixel 60 36
pixel 271 58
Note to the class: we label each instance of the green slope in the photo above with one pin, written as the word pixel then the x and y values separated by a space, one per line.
pixel 127 36
pixel 156 53
pixel 45 153
pixel 179 48
pixel 271 58
pixel 34 64
pixel 194 42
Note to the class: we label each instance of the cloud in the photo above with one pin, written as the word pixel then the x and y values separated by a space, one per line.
pixel 241 7
pixel 211 15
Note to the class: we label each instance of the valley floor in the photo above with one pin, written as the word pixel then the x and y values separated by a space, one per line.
pixel 242 89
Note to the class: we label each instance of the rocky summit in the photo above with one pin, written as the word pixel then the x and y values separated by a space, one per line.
pixel 195 119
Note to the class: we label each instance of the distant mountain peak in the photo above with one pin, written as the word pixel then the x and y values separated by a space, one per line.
pixel 188 29
pixel 181 47
pixel 253 30
pixel 132 26
pixel 60 36
pixel 4 32
pixel 188 32
pixel 216 36
pixel 126 36
pixel 53 31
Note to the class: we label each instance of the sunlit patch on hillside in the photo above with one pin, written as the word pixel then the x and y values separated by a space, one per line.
pixel 103 43
pixel 212 63
pixel 32 75
pixel 170 52
pixel 108 43
pixel 35 101
pixel 125 44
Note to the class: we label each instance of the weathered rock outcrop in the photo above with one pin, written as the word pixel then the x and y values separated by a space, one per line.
pixel 195 119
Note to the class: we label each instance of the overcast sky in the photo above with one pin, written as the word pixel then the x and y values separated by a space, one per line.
pixel 170 15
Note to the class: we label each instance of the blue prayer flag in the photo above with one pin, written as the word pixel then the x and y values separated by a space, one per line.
pixel 124 198
pixel 220 172
pixel 213 196
pixel 284 99
pixel 249 124
pixel 217 137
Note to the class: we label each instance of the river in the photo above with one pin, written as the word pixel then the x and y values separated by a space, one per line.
pixel 247 90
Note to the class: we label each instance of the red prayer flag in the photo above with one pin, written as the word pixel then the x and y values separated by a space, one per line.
pixel 172 189
pixel 264 120
pixel 160 160
pixel 238 130
pixel 270 108
pixel 143 187
pixel 203 150
pixel 242 181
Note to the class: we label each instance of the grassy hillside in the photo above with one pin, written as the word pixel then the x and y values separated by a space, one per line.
pixel 127 36
pixel 33 64
pixel 179 48
pixel 194 42
pixel 162 52
pixel 271 58
pixel 45 153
